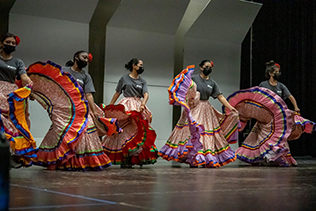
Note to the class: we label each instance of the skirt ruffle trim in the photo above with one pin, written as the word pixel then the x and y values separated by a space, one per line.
pixel 95 161
pixel 308 126
pixel 267 153
pixel 184 152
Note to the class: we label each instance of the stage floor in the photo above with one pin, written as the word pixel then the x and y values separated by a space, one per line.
pixel 167 186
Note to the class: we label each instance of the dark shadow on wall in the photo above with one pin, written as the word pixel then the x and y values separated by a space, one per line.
pixel 97 37
pixel 5 8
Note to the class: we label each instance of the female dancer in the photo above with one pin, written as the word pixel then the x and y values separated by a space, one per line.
pixel 273 74
pixel 11 69
pixel 136 144
pixel 219 129
pixel 80 148
pixel 267 142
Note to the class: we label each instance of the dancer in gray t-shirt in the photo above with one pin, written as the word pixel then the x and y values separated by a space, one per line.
pixel 131 147
pixel 11 69
pixel 273 74
pixel 219 129
pixel 267 142
pixel 75 68
pixel 85 151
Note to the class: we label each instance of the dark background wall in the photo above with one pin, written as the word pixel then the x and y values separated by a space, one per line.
pixel 5 7
pixel 284 31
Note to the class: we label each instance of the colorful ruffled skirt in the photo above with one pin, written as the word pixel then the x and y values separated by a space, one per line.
pixel 89 152
pixel 266 143
pixel 202 134
pixel 136 144
pixel 72 141
pixel 14 121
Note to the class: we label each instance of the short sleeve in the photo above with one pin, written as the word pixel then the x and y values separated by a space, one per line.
pixel 145 89
pixel 21 68
pixel 216 90
pixel 88 85
pixel 119 86
pixel 286 92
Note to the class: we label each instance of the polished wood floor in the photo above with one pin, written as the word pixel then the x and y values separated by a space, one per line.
pixel 167 186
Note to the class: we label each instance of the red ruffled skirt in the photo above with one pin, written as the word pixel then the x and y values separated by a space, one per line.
pixel 137 141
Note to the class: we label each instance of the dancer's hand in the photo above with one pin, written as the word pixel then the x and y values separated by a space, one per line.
pixel 26 81
pixel 95 114
pixel 233 109
pixel 141 108
pixel 297 110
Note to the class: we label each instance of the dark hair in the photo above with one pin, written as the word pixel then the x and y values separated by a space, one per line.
pixel 203 62
pixel 270 68
pixel 6 35
pixel 72 62
pixel 130 64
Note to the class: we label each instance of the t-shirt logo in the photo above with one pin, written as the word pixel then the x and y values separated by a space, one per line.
pixel 209 86
pixel 11 67
pixel 80 81
pixel 139 86
pixel 279 91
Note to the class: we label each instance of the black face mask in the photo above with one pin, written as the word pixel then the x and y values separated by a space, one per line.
pixel 81 64
pixel 277 76
pixel 140 70
pixel 207 71
pixel 8 48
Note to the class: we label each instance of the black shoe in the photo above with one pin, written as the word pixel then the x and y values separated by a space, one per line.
pixel 15 163
pixel 127 163
pixel 126 166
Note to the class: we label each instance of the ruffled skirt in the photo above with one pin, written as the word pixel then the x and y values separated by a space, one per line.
pixel 219 130
pixel 72 141
pixel 14 121
pixel 266 143
pixel 137 141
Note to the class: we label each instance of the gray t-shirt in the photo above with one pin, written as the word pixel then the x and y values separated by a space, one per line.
pixel 83 78
pixel 132 87
pixel 9 69
pixel 206 88
pixel 280 89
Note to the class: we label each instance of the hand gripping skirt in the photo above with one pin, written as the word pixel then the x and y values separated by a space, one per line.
pixel 14 121
pixel 72 142
pixel 137 141
pixel 276 124
pixel 202 134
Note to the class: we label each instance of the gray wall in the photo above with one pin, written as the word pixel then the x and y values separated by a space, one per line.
pixel 156 31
